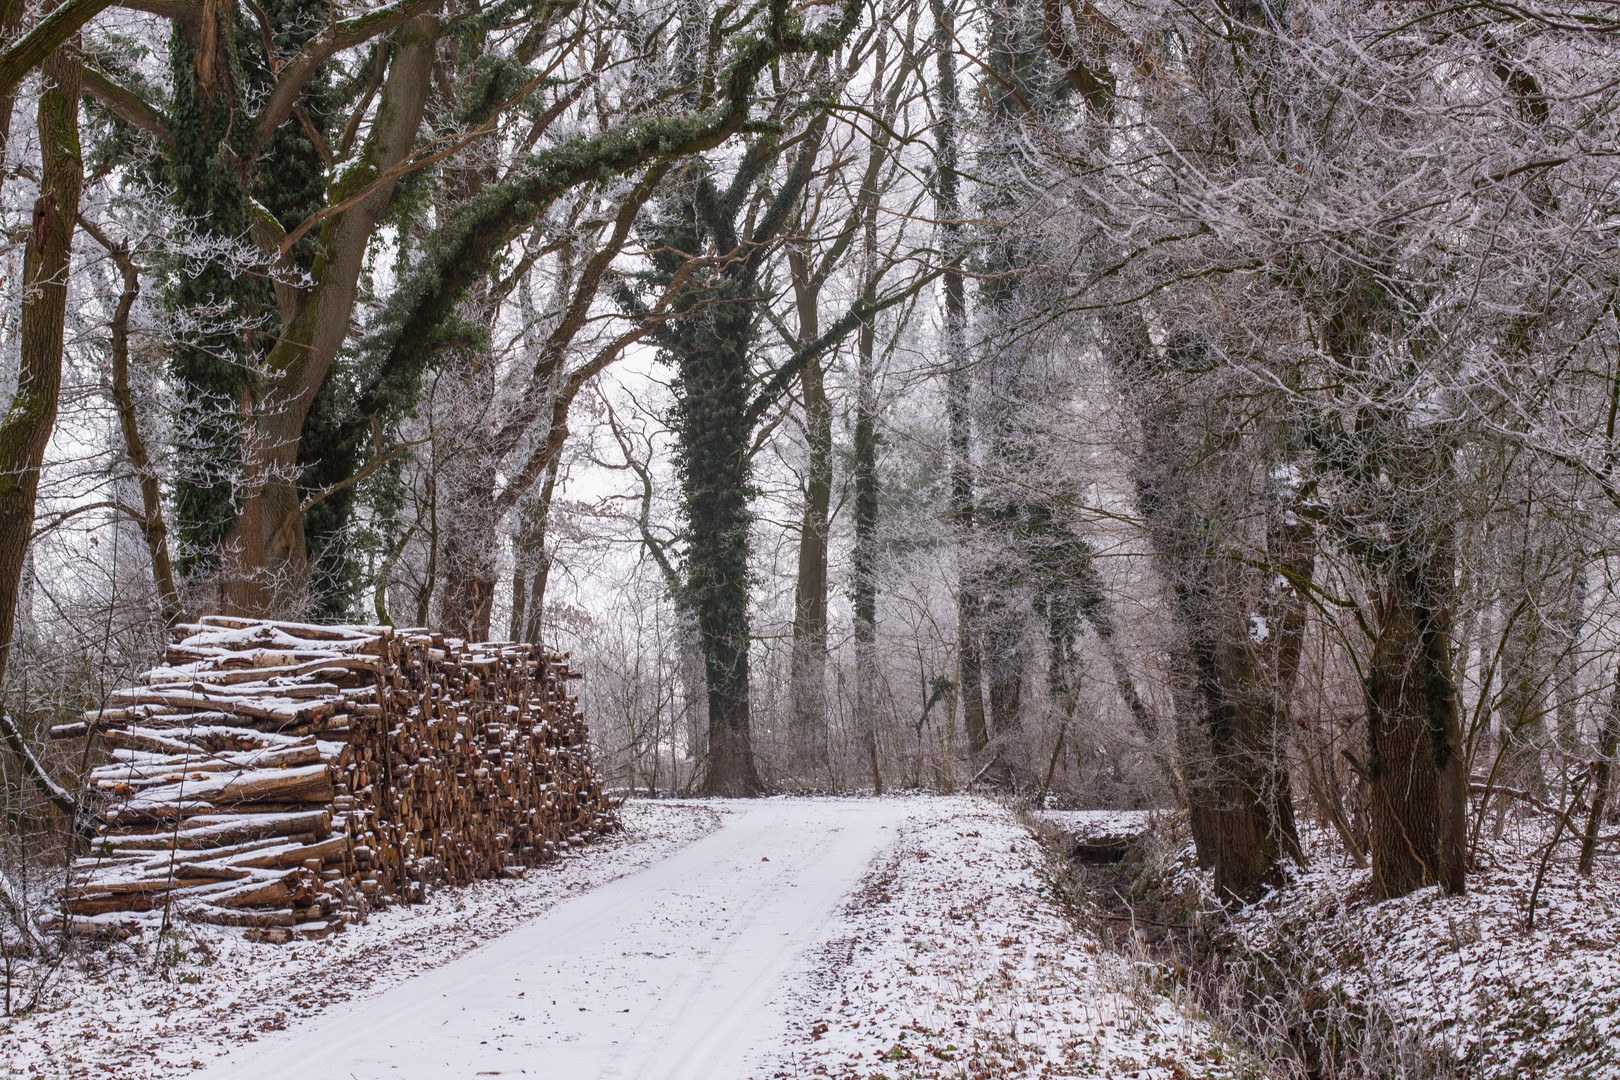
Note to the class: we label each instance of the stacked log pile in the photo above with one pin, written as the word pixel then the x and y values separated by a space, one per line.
pixel 290 778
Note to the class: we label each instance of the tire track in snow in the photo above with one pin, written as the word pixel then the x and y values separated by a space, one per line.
pixel 671 973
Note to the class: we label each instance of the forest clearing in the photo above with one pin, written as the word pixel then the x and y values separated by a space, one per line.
pixel 1116 498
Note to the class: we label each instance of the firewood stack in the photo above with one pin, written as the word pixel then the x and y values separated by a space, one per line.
pixel 291 778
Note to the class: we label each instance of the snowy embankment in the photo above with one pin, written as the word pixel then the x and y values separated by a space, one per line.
pixel 1466 974
pixel 963 955
pixel 152 1009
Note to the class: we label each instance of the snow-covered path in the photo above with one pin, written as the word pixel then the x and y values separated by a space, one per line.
pixel 670 973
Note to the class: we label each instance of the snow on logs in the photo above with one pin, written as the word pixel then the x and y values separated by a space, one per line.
pixel 290 777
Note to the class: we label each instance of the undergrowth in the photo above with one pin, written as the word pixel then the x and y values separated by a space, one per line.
pixel 1275 998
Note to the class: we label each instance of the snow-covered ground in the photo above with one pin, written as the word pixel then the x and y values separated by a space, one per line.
pixel 674 972
pixel 1467 974
pixel 159 1009
pixel 848 937
pixel 960 956
pixel 1099 824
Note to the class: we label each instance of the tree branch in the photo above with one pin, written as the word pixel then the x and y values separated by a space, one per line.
pixel 461 250
pixel 178 10
pixel 127 105
pixel 337 37
pixel 43 39
pixel 56 793
pixel 858 313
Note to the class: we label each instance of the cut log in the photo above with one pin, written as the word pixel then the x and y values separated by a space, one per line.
pixel 149 741
pixel 311 783
pixel 221 916
pixel 211 872
pixel 256 894
pixel 292 855
pixel 308 784
pixel 211 831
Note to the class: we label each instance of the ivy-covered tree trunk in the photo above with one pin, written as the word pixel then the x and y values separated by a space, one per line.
pixel 713 432
pixel 25 429
pixel 218 307
pixel 1237 633
pixel 263 461
pixel 317 324
pixel 710 344
pixel 1023 85
pixel 958 387
pixel 1232 728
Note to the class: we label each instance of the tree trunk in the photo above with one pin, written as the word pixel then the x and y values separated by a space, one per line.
pixel 714 435
pixel 525 554
pixel 1237 785
pixel 221 307
pixel 1238 633
pixel 716 406
pixel 430 577
pixel 1291 555
pixel 1415 771
pixel 467 515
pixel 301 358
pixel 1602 781
pixel 469 409
pixel 807 731
pixel 866 522
pixel 694 692
pixel 1246 656
pixel 153 529
pixel 470 566
pixel 730 769
pixel 534 562
pixel 957 384
pixel 11 17
pixel 26 426
pixel 1521 709
pixel 1008 658
pixel 1565 689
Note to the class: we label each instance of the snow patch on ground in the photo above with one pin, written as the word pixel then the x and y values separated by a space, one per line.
pixel 155 1009
pixel 1098 824
pixel 956 957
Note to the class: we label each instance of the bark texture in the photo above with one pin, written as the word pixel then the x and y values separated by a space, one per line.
pixel 808 721
pixel 1415 768
pixel 272 521
pixel 26 426
pixel 1238 627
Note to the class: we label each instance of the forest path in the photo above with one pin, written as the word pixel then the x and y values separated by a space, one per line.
pixel 673 972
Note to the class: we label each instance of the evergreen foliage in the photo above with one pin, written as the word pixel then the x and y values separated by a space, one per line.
pixel 710 348
pixel 218 307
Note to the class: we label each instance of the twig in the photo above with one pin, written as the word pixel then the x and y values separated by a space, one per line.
pixel 56 793
pixel 1546 856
